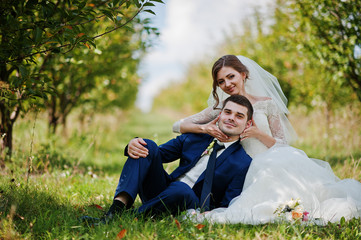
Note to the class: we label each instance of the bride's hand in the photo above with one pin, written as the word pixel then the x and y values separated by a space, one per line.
pixel 136 148
pixel 212 129
pixel 251 131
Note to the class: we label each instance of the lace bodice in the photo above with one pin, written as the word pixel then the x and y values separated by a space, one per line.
pixel 266 116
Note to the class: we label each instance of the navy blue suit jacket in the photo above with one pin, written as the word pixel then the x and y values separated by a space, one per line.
pixel 230 171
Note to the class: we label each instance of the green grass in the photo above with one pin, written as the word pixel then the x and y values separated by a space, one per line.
pixel 73 176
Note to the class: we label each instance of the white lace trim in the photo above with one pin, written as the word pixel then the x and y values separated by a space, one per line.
pixel 269 108
pixel 202 117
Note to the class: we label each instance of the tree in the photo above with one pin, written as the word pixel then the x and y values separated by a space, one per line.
pixel 333 36
pixel 102 78
pixel 279 47
pixel 32 29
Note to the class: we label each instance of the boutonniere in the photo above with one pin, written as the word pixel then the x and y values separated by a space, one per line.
pixel 209 149
pixel 292 211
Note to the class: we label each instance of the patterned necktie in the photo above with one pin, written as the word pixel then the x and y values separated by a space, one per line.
pixel 208 179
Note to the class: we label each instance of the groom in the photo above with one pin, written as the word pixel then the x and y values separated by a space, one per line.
pixel 186 187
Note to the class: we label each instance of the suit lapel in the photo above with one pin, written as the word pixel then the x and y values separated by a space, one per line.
pixel 235 146
pixel 199 155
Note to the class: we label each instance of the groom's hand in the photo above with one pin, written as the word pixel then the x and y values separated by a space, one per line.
pixel 136 148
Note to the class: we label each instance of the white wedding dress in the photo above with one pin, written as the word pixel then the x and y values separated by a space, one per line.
pixel 282 173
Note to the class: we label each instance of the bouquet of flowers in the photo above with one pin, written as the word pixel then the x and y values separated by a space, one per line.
pixel 292 211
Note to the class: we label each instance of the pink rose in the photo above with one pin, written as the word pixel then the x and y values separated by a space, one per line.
pixel 305 216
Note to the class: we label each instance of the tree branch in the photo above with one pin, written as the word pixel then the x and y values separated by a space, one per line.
pixel 69 25
pixel 129 20
pixel 91 20
pixel 68 44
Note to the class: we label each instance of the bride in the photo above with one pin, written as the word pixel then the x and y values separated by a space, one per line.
pixel 282 183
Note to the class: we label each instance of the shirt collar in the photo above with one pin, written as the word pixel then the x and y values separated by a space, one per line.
pixel 226 144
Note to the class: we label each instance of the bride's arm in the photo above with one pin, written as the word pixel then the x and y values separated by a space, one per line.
pixel 202 122
pixel 274 122
pixel 255 132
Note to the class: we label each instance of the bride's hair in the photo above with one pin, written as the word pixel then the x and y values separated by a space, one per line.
pixel 226 61
pixel 261 83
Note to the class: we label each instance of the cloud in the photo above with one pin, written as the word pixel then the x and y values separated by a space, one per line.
pixel 189 30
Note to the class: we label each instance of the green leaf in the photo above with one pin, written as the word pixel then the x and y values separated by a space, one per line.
pixel 108 14
pixel 109 28
pixel 150 11
pixel 81 5
pixel 37 34
pixel 93 44
pixel 137 3
pixel 160 1
pixel 115 2
pixel 149 4
pixel 16 81
pixel 23 71
pixel 342 221
pixel 129 28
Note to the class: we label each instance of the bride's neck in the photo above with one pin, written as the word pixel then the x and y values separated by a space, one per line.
pixel 249 97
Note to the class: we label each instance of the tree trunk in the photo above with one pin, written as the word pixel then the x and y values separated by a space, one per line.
pixel 53 124
pixel 328 125
pixel 6 131
pixel 9 112
pixel 63 123
pixel 53 118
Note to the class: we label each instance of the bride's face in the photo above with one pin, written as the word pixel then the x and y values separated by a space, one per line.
pixel 233 120
pixel 231 81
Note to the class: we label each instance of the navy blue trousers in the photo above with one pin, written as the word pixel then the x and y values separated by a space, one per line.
pixel 158 192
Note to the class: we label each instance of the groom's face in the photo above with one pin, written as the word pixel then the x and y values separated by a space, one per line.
pixel 233 120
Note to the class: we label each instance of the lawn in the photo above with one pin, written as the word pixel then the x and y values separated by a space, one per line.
pixel 53 180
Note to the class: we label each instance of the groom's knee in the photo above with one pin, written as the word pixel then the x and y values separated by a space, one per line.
pixel 152 148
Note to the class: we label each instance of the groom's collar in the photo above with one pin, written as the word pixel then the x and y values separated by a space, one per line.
pixel 227 144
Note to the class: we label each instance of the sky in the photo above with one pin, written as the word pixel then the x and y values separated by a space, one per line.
pixel 189 30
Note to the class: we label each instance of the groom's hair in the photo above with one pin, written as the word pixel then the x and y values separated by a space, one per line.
pixel 241 100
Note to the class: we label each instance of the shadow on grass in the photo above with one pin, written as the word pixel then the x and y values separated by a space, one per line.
pixel 42 214
pixel 335 160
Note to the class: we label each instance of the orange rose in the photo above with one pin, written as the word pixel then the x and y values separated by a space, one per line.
pixel 297 215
